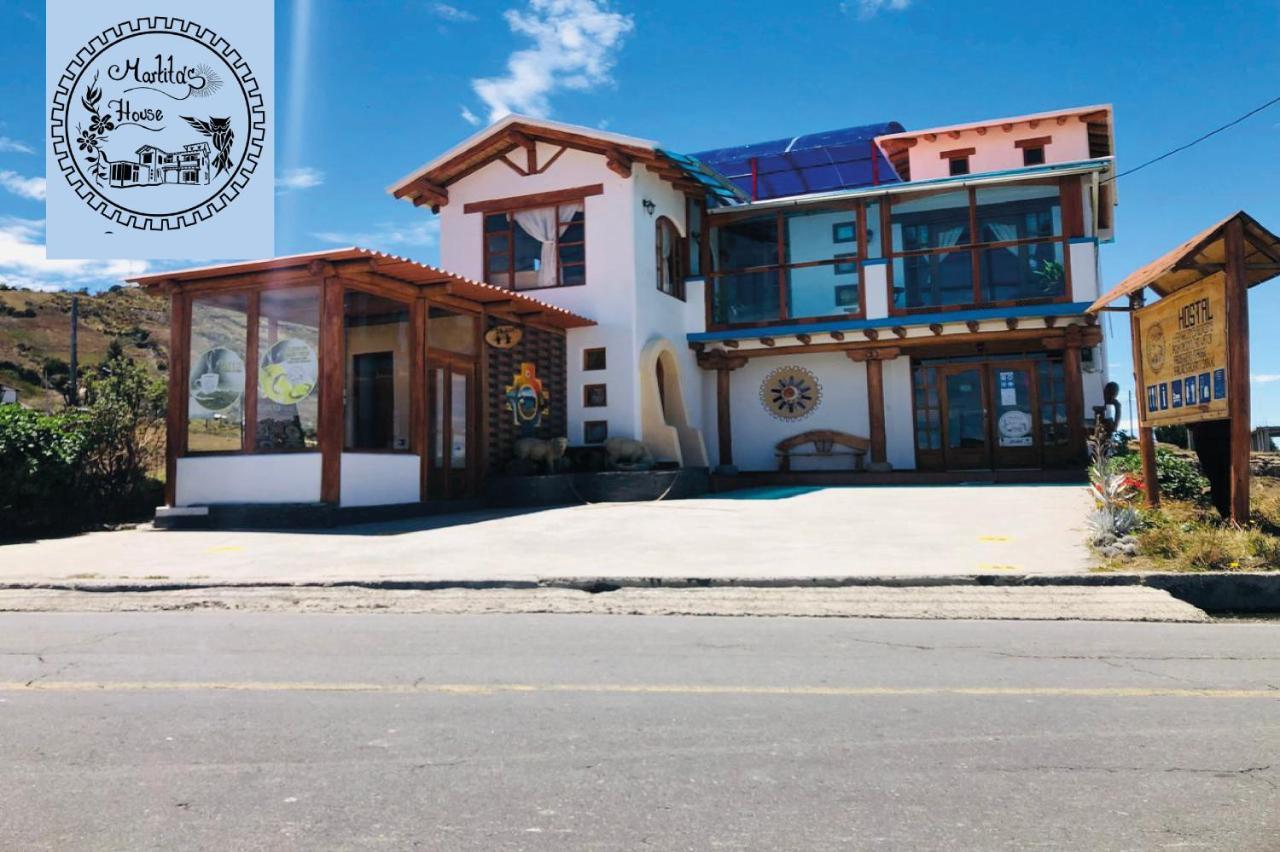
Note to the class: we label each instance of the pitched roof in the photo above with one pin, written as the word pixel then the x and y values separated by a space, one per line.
pixel 392 266
pixel 799 165
pixel 1202 257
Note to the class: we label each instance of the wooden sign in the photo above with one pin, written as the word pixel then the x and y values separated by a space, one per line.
pixel 1182 374
pixel 504 336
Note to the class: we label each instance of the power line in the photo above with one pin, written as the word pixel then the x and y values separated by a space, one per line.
pixel 1196 141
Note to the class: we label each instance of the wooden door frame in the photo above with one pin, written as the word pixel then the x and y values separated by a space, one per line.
pixel 1036 451
pixel 944 371
pixel 450 364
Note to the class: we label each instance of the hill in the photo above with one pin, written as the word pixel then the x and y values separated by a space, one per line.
pixel 35 337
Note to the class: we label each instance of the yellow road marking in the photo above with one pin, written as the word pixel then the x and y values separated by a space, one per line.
pixel 993 538
pixel 625 688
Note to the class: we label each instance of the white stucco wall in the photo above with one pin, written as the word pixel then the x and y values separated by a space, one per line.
pixel 257 478
pixel 377 479
pixel 1084 271
pixel 899 415
pixel 996 151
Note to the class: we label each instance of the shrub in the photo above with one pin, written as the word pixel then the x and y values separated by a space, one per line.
pixel 1179 479
pixel 42 456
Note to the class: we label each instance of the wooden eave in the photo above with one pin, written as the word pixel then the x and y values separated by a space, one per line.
pixel 431 186
pixel 1201 257
pixel 368 268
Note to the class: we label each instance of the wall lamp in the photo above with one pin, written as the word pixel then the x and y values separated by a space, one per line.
pixel 649 206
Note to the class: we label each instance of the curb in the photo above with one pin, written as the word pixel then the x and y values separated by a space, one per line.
pixel 1217 592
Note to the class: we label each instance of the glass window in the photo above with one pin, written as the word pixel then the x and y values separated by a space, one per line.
pixel 747 243
pixel 537 247
pixel 288 369
pixel 829 289
pixel 930 280
pixel 1033 155
pixel 1026 271
pixel 595 431
pixel 938 220
pixel 669 254
pixel 957 166
pixel 928 409
pixel 875 239
pixel 219 337
pixel 451 331
pixel 1018 212
pixel 459 404
pixel 594 359
pixel 1052 392
pixel 745 297
pixel 693 245
pixel 377 372
pixel 821 234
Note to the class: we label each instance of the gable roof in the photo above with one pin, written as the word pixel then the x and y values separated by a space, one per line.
pixel 798 165
pixel 428 184
pixel 1202 257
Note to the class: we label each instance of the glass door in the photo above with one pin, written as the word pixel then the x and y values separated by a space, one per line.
pixel 1017 442
pixel 450 428
pixel 965 444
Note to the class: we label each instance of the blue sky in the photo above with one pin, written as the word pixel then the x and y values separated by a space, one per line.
pixel 367 91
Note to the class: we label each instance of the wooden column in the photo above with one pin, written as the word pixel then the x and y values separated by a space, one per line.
pixel 1074 379
pixel 418 389
pixel 723 365
pixel 875 409
pixel 480 465
pixel 1146 437
pixel 332 381
pixel 874 359
pixel 1237 299
pixel 176 413
pixel 249 441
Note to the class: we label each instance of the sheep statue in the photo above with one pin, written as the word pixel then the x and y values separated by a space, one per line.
pixel 532 455
pixel 627 454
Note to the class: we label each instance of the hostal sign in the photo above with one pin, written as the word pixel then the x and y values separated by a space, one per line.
pixel 1183 343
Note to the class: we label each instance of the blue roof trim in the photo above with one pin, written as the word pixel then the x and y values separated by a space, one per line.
pixel 719 189
pixel 1075 240
pixel 817 162
pixel 876 261
pixel 1055 310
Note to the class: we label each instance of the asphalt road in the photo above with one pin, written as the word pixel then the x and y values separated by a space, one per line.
pixel 256 731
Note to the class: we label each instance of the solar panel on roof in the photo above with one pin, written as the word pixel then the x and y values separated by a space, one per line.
pixel 818 162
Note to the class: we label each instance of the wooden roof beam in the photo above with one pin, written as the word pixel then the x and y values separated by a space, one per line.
pixel 618 162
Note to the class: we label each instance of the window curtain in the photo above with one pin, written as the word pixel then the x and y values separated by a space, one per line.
pixel 947 237
pixel 666 245
pixel 541 224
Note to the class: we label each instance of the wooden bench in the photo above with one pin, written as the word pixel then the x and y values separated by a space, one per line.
pixel 824 442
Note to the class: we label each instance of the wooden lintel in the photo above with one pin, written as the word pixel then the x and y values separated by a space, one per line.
pixel 537 199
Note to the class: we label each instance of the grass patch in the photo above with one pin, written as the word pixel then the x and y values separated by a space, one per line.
pixel 1187 536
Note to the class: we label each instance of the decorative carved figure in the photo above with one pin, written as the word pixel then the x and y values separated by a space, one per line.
pixel 536 453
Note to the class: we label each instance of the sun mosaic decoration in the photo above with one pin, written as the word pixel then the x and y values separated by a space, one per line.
pixel 790 393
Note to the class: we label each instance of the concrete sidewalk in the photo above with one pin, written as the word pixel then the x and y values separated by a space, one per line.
pixel 773 534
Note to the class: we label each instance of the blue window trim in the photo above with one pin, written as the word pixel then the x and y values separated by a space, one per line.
pixel 1055 310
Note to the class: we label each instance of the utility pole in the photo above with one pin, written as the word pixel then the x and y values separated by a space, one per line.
pixel 75 321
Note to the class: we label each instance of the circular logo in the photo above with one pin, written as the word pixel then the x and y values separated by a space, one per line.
pixel 1154 345
pixel 217 379
pixel 1014 424
pixel 158 123
pixel 287 371
pixel 790 393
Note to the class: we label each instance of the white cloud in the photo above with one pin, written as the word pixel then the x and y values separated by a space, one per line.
pixel 27 187
pixel 23 262
pixel 1265 378
pixel 299 178
pixel 575 45
pixel 386 234
pixel 13 146
pixel 870 8
pixel 470 117
pixel 451 13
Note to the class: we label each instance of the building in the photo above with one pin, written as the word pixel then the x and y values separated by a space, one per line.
pixel 8 395
pixel 910 303
pixel 155 167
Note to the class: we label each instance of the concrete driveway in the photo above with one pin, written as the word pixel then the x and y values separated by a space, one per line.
pixel 763 533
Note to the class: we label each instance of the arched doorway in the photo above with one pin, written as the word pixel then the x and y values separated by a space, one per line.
pixel 664 420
